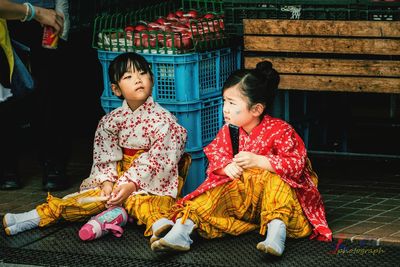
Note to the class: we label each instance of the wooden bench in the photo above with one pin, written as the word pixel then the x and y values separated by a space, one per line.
pixel 352 56
pixel 326 55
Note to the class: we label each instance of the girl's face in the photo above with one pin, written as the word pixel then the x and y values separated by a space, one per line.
pixel 135 86
pixel 237 112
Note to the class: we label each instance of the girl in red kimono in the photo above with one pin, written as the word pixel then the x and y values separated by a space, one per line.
pixel 269 184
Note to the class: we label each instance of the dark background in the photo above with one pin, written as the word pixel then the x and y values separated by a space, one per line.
pixel 362 121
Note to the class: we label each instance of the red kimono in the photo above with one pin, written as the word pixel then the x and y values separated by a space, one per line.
pixel 278 141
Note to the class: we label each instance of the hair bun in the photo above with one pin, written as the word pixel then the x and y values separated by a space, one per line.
pixel 264 67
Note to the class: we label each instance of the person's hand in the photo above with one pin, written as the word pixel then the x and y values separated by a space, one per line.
pixel 50 17
pixel 247 160
pixel 233 170
pixel 106 189
pixel 120 194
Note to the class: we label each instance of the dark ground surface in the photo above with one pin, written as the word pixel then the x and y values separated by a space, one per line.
pixel 362 199
pixel 60 246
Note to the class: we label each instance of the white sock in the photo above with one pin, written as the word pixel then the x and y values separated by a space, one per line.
pixel 180 233
pixel 19 222
pixel 177 239
pixel 13 218
pixel 8 220
pixel 160 223
pixel 276 236
pixel 160 228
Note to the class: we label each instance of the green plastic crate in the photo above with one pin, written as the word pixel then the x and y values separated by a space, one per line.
pixel 237 10
pixel 203 5
pixel 83 12
pixel 109 34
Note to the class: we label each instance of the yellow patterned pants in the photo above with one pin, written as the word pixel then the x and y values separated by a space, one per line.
pixel 146 209
pixel 246 204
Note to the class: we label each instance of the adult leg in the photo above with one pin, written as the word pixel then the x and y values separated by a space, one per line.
pixel 8 135
pixel 9 144
pixel 51 123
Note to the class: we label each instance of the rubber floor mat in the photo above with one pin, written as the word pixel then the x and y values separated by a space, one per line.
pixel 62 247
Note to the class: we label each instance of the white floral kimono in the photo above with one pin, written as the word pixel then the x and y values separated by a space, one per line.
pixel 150 128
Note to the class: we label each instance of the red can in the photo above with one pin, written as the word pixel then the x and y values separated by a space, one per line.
pixel 50 38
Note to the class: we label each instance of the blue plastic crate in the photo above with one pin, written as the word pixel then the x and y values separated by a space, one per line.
pixel 197 171
pixel 110 103
pixel 185 77
pixel 202 118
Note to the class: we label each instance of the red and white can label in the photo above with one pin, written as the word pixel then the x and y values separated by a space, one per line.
pixel 50 38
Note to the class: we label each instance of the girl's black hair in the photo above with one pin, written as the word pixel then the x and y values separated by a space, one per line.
pixel 122 64
pixel 259 85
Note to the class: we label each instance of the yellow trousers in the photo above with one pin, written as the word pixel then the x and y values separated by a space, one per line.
pixel 146 209
pixel 246 204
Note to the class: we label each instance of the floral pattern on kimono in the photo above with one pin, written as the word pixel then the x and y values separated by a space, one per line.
pixel 150 128
pixel 285 150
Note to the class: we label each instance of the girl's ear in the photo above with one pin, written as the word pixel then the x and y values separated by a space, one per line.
pixel 257 109
pixel 115 89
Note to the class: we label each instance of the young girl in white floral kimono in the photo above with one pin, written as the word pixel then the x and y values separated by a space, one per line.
pixel 137 148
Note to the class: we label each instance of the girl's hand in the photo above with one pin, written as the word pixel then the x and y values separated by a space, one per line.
pixel 233 170
pixel 120 194
pixel 106 189
pixel 247 160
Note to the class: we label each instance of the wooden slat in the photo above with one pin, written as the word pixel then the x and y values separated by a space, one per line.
pixel 328 37
pixel 340 84
pixel 343 67
pixel 380 29
pixel 322 45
